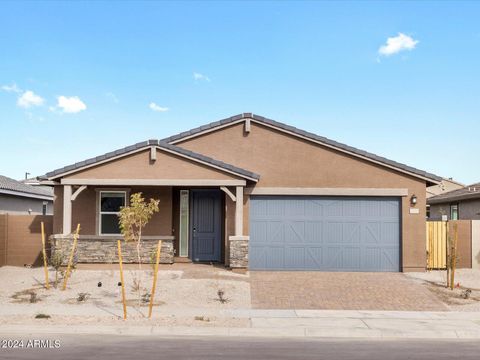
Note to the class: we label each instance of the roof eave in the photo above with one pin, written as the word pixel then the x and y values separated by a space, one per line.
pixel 56 174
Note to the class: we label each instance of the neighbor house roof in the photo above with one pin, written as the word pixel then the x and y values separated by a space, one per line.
pixel 145 145
pixel 13 187
pixel 466 193
pixel 305 134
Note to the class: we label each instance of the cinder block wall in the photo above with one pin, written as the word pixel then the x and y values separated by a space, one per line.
pixel 3 239
pixel 20 239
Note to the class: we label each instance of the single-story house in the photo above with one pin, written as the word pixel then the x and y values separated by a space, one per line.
pixel 254 193
pixel 460 204
pixel 446 185
pixel 19 198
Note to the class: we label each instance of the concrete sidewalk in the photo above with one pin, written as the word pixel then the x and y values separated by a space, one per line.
pixel 297 324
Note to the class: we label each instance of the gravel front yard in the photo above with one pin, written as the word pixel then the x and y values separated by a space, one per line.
pixel 465 279
pixel 180 299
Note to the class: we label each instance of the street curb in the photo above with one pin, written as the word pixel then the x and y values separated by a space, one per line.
pixel 287 332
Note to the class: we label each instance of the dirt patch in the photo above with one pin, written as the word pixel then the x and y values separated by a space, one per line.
pixel 100 295
pixel 465 296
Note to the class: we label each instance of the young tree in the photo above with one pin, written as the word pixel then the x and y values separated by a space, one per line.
pixel 133 219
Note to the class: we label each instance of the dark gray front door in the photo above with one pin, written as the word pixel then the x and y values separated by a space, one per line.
pixel 324 233
pixel 206 226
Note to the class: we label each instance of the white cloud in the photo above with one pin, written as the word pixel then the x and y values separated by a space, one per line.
pixel 199 77
pixel 11 88
pixel 158 108
pixel 396 44
pixel 71 104
pixel 29 99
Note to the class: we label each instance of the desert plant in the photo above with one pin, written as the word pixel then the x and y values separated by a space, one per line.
pixel 33 297
pixel 221 296
pixel 56 261
pixel 146 297
pixel 153 258
pixel 82 297
pixel 133 219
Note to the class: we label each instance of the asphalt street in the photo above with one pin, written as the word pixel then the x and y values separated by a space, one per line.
pixel 99 347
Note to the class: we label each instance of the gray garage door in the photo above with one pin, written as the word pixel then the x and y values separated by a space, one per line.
pixel 324 233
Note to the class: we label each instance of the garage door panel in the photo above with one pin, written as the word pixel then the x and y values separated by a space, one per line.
pixel 314 208
pixel 333 208
pixel 295 231
pixel 351 233
pixel 275 258
pixel 314 232
pixel 325 233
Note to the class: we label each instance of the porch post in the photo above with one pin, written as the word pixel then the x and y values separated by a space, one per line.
pixel 239 242
pixel 67 209
pixel 239 212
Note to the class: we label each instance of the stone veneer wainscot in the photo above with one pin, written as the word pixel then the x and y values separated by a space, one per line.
pixel 103 249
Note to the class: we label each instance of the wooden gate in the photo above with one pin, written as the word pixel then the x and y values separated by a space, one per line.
pixel 437 233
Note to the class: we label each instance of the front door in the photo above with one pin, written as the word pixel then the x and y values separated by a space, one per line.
pixel 206 225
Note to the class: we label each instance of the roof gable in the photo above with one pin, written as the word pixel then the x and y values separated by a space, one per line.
pixel 214 126
pixel 144 146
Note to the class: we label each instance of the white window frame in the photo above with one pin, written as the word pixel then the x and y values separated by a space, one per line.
pixel 100 212
pixel 457 208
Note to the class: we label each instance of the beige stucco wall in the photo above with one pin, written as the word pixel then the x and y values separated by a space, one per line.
pixel 139 166
pixel 283 160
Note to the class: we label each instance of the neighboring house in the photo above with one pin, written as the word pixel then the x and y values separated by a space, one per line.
pixel 19 198
pixel 445 186
pixel 251 193
pixel 461 204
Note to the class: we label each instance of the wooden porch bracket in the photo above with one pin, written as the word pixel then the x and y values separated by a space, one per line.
pixel 228 192
pixel 77 192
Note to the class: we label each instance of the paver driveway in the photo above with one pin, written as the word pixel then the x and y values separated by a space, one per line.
pixel 339 291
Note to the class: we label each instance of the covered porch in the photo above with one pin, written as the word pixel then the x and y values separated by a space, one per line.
pixel 201 209
pixel 198 221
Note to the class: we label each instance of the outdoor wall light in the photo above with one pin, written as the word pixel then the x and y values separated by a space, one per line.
pixel 413 200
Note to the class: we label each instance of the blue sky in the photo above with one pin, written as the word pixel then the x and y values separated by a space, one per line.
pixel 81 79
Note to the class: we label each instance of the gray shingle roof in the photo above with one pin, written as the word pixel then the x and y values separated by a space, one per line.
pixel 9 184
pixel 466 193
pixel 160 144
pixel 308 135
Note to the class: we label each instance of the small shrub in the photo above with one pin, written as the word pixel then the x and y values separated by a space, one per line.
pixel 146 297
pixel 82 297
pixel 466 294
pixel 136 285
pixel 56 261
pixel 221 296
pixel 33 297
pixel 153 258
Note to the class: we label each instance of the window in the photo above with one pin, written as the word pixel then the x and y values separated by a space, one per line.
pixel 454 212
pixel 44 208
pixel 110 204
